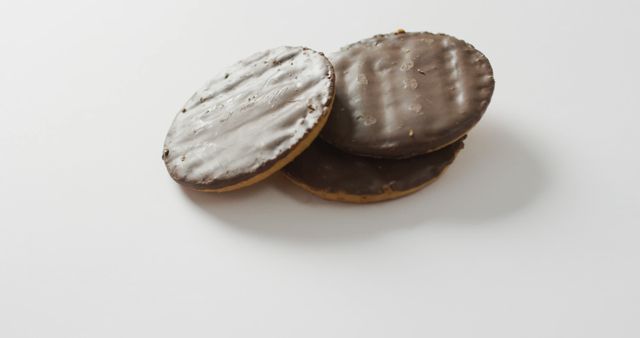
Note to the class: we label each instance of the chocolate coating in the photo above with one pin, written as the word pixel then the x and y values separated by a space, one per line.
pixel 251 119
pixel 335 175
pixel 404 94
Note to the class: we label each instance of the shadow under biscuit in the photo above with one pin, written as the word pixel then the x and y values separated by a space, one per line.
pixel 496 175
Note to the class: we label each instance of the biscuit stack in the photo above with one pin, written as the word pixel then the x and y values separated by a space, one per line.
pixel 377 120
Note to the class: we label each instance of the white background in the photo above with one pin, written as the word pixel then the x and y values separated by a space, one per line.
pixel 533 232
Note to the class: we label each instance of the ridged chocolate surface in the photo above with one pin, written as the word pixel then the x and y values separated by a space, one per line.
pixel 404 94
pixel 325 169
pixel 248 117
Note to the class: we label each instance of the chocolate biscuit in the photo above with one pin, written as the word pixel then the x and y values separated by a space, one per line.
pixel 250 120
pixel 405 94
pixel 338 176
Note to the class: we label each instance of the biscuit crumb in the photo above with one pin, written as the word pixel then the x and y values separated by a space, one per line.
pixel 410 132
pixel 369 120
pixel 406 66
pixel 400 31
pixel 362 79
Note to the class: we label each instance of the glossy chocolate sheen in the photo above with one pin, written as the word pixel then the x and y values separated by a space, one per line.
pixel 405 94
pixel 249 117
pixel 336 175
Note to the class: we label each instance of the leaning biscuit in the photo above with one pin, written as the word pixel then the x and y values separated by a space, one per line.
pixel 250 120
pixel 337 176
pixel 405 94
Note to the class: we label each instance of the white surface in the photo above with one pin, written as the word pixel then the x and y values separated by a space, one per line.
pixel 533 232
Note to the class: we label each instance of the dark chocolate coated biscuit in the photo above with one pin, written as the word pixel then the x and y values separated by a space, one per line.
pixel 338 176
pixel 404 94
pixel 250 120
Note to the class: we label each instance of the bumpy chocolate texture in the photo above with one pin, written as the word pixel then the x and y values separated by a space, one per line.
pixel 404 94
pixel 249 117
pixel 336 175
